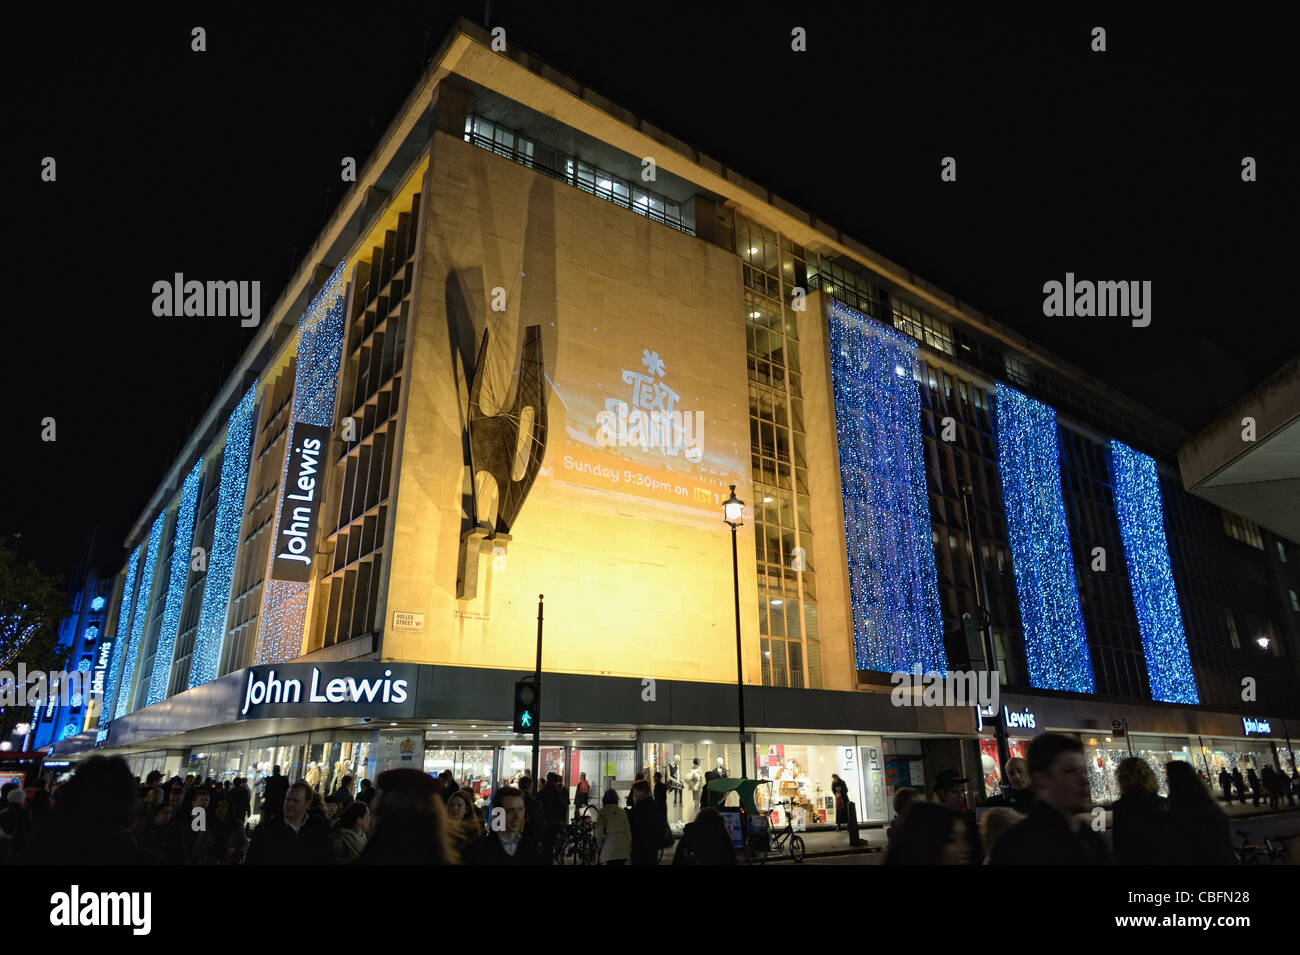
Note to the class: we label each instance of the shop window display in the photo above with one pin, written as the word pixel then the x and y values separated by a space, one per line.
pixel 694 764
pixel 471 767
pixel 605 769
pixel 1234 754
pixel 346 758
pixel 1104 757
pixel 516 759
pixel 801 778
pixel 143 764
pixel 227 762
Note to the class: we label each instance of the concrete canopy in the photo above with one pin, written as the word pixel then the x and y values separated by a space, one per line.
pixel 1258 479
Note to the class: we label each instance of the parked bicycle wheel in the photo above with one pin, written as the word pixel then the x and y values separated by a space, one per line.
pixel 796 849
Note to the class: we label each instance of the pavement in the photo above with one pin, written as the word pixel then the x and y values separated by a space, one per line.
pixel 828 843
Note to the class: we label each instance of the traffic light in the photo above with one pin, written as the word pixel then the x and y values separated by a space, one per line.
pixel 527 706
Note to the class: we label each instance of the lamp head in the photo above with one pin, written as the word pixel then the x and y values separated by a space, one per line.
pixel 733 509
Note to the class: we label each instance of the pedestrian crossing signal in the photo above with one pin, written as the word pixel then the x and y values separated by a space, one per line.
pixel 527 703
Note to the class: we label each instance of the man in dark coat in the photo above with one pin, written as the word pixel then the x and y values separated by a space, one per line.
pixel 505 845
pixel 343 795
pixel 647 824
pixel 1256 786
pixel 241 798
pixel 1020 793
pixel 1239 784
pixel 293 837
pixel 273 793
pixel 950 790
pixel 1225 783
pixel 88 823
pixel 534 814
pixel 555 807
pixel 1053 834
pixel 705 842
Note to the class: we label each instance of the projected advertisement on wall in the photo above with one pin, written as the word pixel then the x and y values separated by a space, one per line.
pixel 634 427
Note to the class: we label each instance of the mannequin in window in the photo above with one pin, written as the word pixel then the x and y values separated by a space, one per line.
pixel 675 781
pixel 695 783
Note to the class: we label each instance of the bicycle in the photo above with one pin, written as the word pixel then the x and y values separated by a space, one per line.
pixel 760 845
pixel 576 843
pixel 1250 853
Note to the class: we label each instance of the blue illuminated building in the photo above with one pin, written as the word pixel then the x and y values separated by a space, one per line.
pixel 80 645
pixel 176 579
pixel 1155 596
pixel 896 619
pixel 225 542
pixel 1055 641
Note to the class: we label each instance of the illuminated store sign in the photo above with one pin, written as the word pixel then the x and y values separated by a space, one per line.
pixel 339 689
pixel 1254 727
pixel 1023 719
pixel 295 539
pixel 101 667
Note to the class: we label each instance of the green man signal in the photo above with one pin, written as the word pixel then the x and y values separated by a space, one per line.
pixel 527 706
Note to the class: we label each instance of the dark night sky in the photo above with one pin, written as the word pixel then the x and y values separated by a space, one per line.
pixel 224 165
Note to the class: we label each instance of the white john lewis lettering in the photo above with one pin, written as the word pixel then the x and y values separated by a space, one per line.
pixel 1023 720
pixel 268 689
pixel 300 518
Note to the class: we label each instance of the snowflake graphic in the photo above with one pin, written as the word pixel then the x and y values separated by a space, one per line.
pixel 653 363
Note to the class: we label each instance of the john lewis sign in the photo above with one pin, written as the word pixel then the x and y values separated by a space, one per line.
pixel 1255 727
pixel 328 689
pixel 295 538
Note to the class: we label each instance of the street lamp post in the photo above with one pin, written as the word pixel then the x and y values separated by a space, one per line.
pixel 986 634
pixel 733 515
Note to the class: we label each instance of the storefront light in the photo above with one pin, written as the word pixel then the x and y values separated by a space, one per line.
pixel 1263 642
pixel 22 729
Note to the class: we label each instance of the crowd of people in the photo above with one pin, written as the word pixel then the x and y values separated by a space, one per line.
pixel 1047 817
pixel 105 815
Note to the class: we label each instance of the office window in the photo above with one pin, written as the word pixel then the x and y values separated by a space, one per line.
pixel 1295 604
pixel 1281 552
pixel 1017 372
pixel 1243 530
